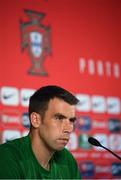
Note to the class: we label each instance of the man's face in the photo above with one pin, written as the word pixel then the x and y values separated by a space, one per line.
pixel 57 124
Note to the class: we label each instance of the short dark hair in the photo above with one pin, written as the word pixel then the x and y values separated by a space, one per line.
pixel 40 99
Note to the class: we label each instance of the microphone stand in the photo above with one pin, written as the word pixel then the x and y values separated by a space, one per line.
pixel 110 151
pixel 95 142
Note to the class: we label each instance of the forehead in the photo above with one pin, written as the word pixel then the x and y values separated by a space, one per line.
pixel 57 105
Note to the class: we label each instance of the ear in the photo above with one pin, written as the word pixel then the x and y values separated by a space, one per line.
pixel 35 119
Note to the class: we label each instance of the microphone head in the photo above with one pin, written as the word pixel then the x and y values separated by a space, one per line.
pixel 94 141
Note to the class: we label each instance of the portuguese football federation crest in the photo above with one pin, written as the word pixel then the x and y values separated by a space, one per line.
pixel 35 38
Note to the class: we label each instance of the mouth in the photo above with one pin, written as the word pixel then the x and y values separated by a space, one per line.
pixel 64 140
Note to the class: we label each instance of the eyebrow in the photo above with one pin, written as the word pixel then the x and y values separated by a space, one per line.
pixel 65 117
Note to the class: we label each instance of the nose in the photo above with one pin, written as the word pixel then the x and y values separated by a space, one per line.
pixel 68 126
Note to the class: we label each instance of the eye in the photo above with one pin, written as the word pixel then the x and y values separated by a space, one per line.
pixel 59 117
pixel 73 120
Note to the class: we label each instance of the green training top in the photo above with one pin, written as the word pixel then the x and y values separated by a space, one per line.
pixel 17 161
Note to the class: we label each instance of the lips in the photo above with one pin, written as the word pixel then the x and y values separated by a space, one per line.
pixel 64 139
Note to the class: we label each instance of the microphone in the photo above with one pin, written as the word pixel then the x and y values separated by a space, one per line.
pixel 95 142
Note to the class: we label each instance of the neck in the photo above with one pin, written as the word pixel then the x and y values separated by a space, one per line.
pixel 40 150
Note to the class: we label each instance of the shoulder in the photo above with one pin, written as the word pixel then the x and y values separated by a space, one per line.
pixel 11 155
pixel 11 143
pixel 12 148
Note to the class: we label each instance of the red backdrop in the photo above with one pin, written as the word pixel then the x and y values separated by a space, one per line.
pixel 82 54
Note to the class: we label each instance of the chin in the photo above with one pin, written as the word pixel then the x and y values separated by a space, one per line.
pixel 60 148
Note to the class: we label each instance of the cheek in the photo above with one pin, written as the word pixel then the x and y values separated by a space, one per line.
pixel 54 132
pixel 51 131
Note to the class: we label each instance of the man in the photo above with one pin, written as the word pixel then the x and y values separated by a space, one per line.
pixel 41 154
